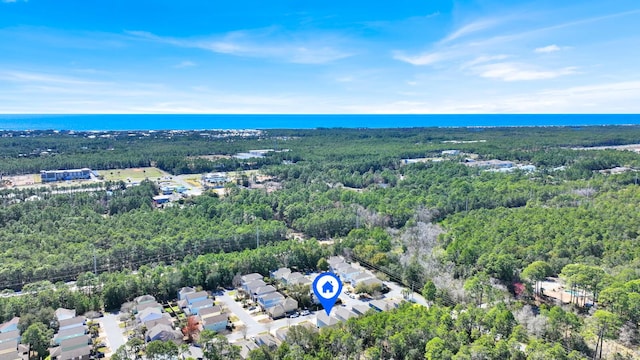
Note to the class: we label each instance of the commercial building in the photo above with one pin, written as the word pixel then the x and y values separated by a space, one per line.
pixel 62 175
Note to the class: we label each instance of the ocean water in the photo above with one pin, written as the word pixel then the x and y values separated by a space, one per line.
pixel 199 122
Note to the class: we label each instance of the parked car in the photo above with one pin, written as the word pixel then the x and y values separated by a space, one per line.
pixel 251 308
pixel 293 316
pixel 305 312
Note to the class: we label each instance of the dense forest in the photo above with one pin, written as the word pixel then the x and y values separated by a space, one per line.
pixel 468 237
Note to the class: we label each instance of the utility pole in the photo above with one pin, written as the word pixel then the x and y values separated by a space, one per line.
pixel 412 290
pixel 95 267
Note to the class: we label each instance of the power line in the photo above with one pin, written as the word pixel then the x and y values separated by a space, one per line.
pixel 202 249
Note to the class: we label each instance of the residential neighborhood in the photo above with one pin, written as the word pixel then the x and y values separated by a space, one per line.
pixel 259 312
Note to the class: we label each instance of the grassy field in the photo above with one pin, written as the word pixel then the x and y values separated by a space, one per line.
pixel 193 180
pixel 133 174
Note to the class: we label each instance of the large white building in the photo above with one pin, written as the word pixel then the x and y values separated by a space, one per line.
pixel 58 175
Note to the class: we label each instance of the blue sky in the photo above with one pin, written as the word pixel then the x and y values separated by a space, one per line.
pixel 420 56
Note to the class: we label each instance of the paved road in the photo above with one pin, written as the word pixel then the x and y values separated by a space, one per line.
pixel 237 309
pixel 115 338
pixel 253 327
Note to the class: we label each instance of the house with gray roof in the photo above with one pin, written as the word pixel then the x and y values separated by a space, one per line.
pixel 252 286
pixel 360 277
pixel 267 340
pixel 324 320
pixel 380 305
pixel 297 278
pixel 182 293
pixel 372 281
pixel 246 346
pixel 196 296
pixel 281 273
pixel 164 320
pixel 149 314
pixel 347 273
pixel 216 322
pixel 268 300
pixel 63 314
pixel 206 312
pixel 74 343
pixel 263 290
pixel 193 353
pixel 164 333
pixel 343 314
pixel 281 309
pixel 80 353
pixel 338 267
pixel 68 334
pixel 334 261
pixel 251 277
pixel 144 299
pixel 360 309
pixel 147 305
pixel 199 305
pixel 78 321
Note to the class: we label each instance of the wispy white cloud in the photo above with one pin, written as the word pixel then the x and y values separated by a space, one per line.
pixel 13 1
pixel 185 64
pixel 547 49
pixel 470 28
pixel 270 43
pixel 508 71
pixel 58 93
pixel 616 97
pixel 514 36
pixel 426 58
pixel 483 60
pixel 42 78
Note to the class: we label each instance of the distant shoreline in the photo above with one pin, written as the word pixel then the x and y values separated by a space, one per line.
pixel 241 122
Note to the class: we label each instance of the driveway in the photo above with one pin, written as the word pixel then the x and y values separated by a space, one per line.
pixel 115 338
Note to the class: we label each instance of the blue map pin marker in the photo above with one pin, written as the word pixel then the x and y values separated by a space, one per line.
pixel 327 287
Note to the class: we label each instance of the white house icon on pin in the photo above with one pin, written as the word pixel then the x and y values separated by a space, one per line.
pixel 327 287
